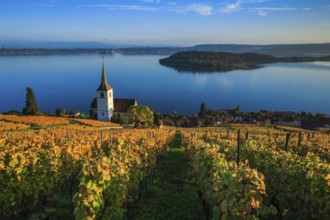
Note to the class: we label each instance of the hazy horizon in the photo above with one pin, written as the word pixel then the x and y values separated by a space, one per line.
pixel 161 22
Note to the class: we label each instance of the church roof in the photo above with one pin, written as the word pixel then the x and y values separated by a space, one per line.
pixel 122 105
pixel 104 86
pixel 94 103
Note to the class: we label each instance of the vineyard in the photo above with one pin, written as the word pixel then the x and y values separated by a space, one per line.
pixel 67 173
pixel 261 173
pixel 82 171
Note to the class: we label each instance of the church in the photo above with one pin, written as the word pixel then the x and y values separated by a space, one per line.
pixel 104 105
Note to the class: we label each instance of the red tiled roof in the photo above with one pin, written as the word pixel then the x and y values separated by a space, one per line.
pixel 94 103
pixel 122 105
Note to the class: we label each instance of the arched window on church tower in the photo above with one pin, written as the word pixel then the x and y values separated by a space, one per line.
pixel 102 95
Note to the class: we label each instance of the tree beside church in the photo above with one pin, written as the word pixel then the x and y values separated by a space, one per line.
pixel 140 116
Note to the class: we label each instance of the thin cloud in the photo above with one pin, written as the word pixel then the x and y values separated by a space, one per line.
pixel 151 1
pixel 132 7
pixel 325 25
pixel 197 8
pixel 35 6
pixel 49 5
pixel 230 8
pixel 121 7
pixel 236 6
pixel 264 11
pixel 274 9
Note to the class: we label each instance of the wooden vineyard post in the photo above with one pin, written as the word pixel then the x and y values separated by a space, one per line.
pixel 299 139
pixel 247 135
pixel 287 141
pixel 68 136
pixel 238 146
pixel 110 141
pixel 269 140
pixel 101 134
pixel 194 138
pixel 227 133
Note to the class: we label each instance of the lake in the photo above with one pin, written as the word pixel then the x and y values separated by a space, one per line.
pixel 71 81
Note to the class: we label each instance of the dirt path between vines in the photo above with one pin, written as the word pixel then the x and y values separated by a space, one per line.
pixel 172 195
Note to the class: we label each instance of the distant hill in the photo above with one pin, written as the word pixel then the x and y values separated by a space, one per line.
pixel 149 50
pixel 278 50
pixel 47 51
pixel 198 61
pixel 55 45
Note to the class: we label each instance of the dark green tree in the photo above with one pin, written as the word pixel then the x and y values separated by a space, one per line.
pixel 31 106
pixel 61 112
pixel 116 118
pixel 237 110
pixel 157 120
pixel 320 115
pixel 202 110
pixel 174 115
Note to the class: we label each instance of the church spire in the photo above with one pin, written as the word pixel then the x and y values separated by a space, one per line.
pixel 104 86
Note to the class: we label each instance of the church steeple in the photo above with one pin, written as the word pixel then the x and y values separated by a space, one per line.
pixel 103 100
pixel 104 86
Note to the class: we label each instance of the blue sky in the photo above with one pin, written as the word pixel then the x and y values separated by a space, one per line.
pixel 168 22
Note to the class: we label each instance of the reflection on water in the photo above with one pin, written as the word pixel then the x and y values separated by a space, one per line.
pixel 70 82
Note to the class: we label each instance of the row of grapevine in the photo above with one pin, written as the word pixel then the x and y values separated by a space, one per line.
pixel 34 120
pixel 299 143
pixel 230 191
pixel 48 120
pixel 57 172
pixel 93 123
pixel 297 185
pixel 10 126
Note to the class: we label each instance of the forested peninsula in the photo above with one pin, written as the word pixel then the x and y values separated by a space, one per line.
pixel 199 61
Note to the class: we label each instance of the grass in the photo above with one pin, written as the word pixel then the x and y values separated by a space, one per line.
pixel 172 194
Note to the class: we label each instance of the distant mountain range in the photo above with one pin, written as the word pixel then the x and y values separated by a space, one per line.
pixel 48 48
pixel 56 45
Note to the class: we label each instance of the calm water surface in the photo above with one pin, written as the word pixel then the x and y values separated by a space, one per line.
pixel 70 82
